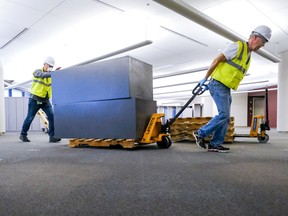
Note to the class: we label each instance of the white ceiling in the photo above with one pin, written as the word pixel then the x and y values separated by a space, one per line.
pixel 73 31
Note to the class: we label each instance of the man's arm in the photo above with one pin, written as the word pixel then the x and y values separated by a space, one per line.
pixel 40 74
pixel 216 61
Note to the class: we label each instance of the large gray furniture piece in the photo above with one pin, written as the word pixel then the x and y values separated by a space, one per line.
pixel 112 99
pixel 107 80
pixel 121 119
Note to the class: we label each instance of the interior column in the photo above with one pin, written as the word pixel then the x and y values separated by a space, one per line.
pixel 282 95
pixel 2 104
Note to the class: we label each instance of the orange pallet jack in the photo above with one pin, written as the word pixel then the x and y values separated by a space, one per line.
pixel 258 122
pixel 159 133
pixel 44 120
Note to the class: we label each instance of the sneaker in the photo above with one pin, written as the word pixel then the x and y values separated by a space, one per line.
pixel 219 148
pixel 24 138
pixel 54 140
pixel 199 140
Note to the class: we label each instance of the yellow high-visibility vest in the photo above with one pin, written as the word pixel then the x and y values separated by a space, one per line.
pixel 231 72
pixel 41 86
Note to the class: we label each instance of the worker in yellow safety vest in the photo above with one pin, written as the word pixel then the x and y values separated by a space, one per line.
pixel 41 92
pixel 226 72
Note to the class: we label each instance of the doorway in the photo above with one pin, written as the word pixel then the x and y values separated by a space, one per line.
pixel 198 110
pixel 258 106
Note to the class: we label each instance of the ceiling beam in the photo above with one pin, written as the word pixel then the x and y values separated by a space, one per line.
pixel 186 10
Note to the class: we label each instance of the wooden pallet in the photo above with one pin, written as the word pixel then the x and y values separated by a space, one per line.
pixel 183 128
pixel 125 143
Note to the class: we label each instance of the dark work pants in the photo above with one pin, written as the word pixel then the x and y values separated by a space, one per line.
pixel 33 107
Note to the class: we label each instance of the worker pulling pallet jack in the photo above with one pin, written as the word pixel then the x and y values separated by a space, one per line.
pixel 226 72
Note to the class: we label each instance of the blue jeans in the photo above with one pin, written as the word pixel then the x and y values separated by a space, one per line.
pixel 218 124
pixel 33 108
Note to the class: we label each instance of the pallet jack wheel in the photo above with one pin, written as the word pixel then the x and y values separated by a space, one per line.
pixel 165 143
pixel 263 139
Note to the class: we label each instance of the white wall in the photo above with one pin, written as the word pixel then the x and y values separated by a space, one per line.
pixel 239 109
pixel 282 102
pixel 209 109
pixel 2 104
pixel 16 110
pixel 187 113
pixel 15 93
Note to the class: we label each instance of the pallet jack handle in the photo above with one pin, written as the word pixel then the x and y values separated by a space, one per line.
pixel 267 115
pixel 198 90
pixel 266 125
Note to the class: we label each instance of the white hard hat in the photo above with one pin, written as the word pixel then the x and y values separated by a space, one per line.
pixel 263 31
pixel 49 60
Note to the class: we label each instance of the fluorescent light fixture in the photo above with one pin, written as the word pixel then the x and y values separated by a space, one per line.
pixel 177 97
pixel 126 49
pixel 14 38
pixel 257 90
pixel 162 67
pixel 181 72
pixel 177 84
pixel 263 81
pixel 170 104
pixel 171 92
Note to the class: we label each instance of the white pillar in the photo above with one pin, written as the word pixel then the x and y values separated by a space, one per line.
pixel 2 103
pixel 209 107
pixel 282 94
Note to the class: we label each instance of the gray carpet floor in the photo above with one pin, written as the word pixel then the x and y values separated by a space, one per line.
pixel 41 178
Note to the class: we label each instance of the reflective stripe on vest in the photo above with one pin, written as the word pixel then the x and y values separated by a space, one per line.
pixel 41 87
pixel 231 72
pixel 239 67
pixel 43 83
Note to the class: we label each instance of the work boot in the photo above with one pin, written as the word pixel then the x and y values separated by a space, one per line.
pixel 199 140
pixel 219 148
pixel 53 139
pixel 24 138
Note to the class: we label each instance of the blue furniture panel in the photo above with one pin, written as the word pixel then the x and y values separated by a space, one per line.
pixel 110 119
pixel 112 79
